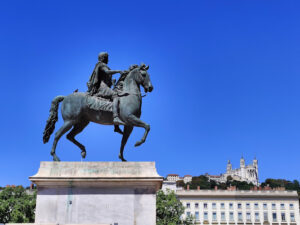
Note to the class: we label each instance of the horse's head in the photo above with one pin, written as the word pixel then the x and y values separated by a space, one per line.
pixel 140 76
pixel 144 78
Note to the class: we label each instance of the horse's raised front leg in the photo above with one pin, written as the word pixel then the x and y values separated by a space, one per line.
pixel 135 121
pixel 126 134
pixel 76 130
pixel 65 127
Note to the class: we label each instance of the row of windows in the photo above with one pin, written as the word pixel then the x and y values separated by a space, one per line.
pixel 240 216
pixel 239 205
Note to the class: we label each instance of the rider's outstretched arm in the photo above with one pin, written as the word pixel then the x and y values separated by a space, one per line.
pixel 111 72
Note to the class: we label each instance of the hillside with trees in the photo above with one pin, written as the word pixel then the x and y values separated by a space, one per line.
pixel 204 183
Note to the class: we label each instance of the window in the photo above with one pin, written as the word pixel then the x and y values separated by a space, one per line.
pixel 281 206
pixel 266 216
pixel 239 205
pixel 214 217
pixel 222 206
pixel 282 217
pixel 240 216
pixel 214 205
pixel 196 205
pixel 197 215
pixel 230 205
pixel 274 216
pixel 188 214
pixel 223 218
pixel 273 206
pixel 291 206
pixel 265 206
pixel 292 217
pixel 231 217
pixel 205 216
pixel 205 205
pixel 256 217
pixel 188 205
pixel 248 217
pixel 256 205
pixel 247 205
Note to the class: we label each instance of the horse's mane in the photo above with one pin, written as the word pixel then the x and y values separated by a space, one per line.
pixel 126 73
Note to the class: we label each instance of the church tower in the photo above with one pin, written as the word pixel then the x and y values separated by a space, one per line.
pixel 255 163
pixel 255 166
pixel 229 167
pixel 242 168
pixel 242 162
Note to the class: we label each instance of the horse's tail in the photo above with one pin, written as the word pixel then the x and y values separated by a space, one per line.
pixel 53 117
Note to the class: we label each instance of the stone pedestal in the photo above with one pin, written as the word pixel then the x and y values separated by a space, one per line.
pixel 116 193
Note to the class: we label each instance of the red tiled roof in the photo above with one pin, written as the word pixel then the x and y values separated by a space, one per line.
pixel 173 175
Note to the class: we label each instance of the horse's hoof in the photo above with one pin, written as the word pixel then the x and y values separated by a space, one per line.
pixel 83 154
pixel 56 159
pixel 138 143
pixel 122 158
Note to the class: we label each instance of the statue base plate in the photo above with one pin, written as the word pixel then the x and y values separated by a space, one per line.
pixel 117 193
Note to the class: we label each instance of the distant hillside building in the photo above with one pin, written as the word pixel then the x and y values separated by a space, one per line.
pixel 173 177
pixel 247 173
pixel 187 178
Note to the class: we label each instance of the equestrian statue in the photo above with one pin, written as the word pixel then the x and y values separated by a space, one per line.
pixel 102 104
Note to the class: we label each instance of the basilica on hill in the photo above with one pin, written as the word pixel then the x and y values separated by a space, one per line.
pixel 248 173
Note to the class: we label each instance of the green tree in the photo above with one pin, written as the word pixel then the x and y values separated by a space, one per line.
pixel 289 185
pixel 16 205
pixel 229 178
pixel 201 181
pixel 240 185
pixel 169 209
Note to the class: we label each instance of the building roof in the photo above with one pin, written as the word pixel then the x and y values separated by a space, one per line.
pixel 261 194
pixel 187 175
pixel 173 174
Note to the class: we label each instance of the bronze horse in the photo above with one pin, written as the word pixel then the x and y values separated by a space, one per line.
pixel 77 114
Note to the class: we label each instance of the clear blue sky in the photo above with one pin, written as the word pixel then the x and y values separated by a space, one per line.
pixel 226 78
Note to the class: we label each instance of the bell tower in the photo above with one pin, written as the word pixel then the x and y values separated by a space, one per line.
pixel 255 162
pixel 255 166
pixel 242 168
pixel 229 167
pixel 242 162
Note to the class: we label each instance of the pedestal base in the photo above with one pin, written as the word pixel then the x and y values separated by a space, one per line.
pixel 117 193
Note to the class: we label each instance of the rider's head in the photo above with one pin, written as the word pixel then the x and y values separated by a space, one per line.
pixel 103 57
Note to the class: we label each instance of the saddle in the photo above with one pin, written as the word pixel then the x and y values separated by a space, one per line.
pixel 99 103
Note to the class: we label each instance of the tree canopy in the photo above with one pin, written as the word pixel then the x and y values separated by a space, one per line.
pixel 16 205
pixel 169 209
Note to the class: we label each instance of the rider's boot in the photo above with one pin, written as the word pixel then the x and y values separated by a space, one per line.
pixel 115 109
pixel 117 120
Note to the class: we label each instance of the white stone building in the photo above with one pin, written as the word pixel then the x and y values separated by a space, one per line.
pixel 173 177
pixel 169 186
pixel 176 177
pixel 256 207
pixel 187 178
pixel 248 173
